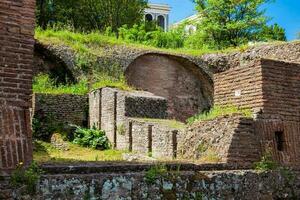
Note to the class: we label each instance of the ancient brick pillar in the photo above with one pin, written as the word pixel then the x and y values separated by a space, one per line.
pixel 16 54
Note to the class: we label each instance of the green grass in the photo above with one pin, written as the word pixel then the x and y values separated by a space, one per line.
pixel 45 152
pixel 94 43
pixel 43 84
pixel 218 111
pixel 170 123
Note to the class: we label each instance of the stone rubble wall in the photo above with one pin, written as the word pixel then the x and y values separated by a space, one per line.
pixel 63 109
pixel 239 184
pixel 285 51
pixel 17 22
pixel 231 137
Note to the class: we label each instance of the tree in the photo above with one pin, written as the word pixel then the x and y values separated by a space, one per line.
pixel 90 15
pixel 228 23
pixel 273 32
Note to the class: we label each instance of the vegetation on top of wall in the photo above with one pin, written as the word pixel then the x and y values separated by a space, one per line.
pixel 43 84
pixel 218 111
pixel 171 123
pixel 266 163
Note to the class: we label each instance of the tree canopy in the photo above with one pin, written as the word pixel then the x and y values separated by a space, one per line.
pixel 226 23
pixel 90 15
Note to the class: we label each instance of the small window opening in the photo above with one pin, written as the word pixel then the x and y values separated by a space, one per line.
pixel 279 137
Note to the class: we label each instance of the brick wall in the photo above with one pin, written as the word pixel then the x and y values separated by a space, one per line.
pixel 109 109
pixel 16 53
pixel 186 86
pixel 62 110
pixel 239 86
pixel 231 138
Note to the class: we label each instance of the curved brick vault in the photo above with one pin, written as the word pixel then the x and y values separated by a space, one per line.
pixel 188 88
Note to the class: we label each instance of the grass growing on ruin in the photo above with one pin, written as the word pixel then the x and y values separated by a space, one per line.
pixel 94 42
pixel 45 152
pixel 218 111
pixel 43 84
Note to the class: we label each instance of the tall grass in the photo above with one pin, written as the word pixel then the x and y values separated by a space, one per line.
pixel 218 111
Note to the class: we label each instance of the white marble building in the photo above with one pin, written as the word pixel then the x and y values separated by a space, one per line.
pixel 159 13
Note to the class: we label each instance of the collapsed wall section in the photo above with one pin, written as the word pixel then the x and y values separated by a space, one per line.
pixel 16 54
pixel 230 139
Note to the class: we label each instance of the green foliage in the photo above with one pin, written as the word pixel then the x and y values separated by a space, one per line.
pixel 266 163
pixel 272 33
pixel 43 84
pixel 90 15
pixel 227 23
pixel 155 172
pixel 121 129
pixel 91 138
pixel 153 36
pixel 26 177
pixel 217 111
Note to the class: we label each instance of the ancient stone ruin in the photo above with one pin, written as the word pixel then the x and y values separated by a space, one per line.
pixel 170 87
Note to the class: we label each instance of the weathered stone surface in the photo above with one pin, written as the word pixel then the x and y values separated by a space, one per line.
pixel 217 185
pixel 231 137
pixel 289 52
pixel 59 111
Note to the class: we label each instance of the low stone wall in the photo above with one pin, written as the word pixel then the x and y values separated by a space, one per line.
pixel 110 108
pixel 231 138
pixel 155 138
pixel 60 109
pixel 186 184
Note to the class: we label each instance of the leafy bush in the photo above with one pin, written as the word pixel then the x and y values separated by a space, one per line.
pixel 91 138
pixel 266 163
pixel 219 111
pixel 26 177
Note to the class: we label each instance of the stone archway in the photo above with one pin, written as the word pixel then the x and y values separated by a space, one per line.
pixel 149 17
pixel 188 88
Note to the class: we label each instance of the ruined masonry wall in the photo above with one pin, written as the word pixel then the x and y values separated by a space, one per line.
pixel 247 185
pixel 62 109
pixel 231 137
pixel 16 54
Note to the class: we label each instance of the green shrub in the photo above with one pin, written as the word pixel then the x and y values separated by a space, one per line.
pixel 266 163
pixel 26 177
pixel 91 138
pixel 155 172
pixel 219 111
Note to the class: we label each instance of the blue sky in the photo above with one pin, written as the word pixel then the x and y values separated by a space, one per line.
pixel 284 12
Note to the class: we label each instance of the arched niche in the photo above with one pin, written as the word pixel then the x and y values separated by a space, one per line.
pixel 148 17
pixel 161 21
pixel 188 88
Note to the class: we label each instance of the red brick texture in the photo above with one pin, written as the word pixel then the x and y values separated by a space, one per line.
pixel 271 89
pixel 16 54
pixel 186 86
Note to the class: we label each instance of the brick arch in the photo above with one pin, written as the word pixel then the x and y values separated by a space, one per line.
pixel 188 88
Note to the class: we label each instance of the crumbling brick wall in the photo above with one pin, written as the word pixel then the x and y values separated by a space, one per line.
pixel 16 54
